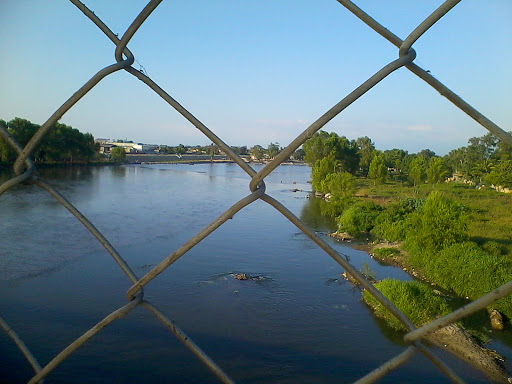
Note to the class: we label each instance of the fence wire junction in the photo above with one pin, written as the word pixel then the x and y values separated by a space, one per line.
pixel 24 170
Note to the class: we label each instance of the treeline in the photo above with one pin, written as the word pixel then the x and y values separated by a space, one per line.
pixel 63 144
pixel 485 160
pixel 433 225
pixel 257 151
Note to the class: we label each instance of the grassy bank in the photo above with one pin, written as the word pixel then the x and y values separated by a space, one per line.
pixel 454 235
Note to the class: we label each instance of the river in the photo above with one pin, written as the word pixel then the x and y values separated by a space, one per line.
pixel 300 322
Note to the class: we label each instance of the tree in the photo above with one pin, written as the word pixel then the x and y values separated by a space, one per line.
pixel 457 159
pixel 273 150
pixel 378 170
pixel 501 175
pixel 437 171
pixel 340 184
pixel 7 152
pixel 258 152
pixel 316 148
pixel 418 170
pixel 180 149
pixel 503 150
pixel 337 148
pixel 299 154
pixel 320 171
pixel 427 154
pixel 118 154
pixel 366 150
pixel 61 143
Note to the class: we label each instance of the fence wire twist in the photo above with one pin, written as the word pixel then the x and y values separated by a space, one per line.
pixel 24 171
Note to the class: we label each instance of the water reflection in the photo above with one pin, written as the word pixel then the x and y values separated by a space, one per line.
pixel 118 171
pixel 312 217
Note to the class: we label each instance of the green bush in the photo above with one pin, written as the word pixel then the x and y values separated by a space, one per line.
pixel 416 300
pixel 438 224
pixel 360 217
pixel 392 223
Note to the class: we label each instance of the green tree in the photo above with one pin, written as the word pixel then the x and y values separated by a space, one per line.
pixel 320 171
pixel 427 154
pixel 418 170
pixel 366 149
pixel 457 159
pixel 61 143
pixel 316 148
pixel 378 170
pixel 437 171
pixel 337 148
pixel 481 169
pixel 118 154
pixel 299 154
pixel 501 175
pixel 258 152
pixel 180 149
pixel 273 150
pixel 7 152
pixel 340 184
pixel 503 150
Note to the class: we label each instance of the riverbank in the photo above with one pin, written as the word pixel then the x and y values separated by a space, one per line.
pixel 193 159
pixel 454 240
pixel 422 302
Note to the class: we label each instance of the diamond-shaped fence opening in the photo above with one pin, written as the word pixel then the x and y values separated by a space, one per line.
pixel 24 171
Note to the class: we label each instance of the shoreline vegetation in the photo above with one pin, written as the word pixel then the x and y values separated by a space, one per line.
pixel 64 146
pixel 440 219
pixel 474 260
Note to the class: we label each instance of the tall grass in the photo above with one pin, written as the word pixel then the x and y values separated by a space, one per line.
pixel 416 300
pixel 467 270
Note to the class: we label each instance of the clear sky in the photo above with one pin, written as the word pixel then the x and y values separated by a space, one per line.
pixel 260 71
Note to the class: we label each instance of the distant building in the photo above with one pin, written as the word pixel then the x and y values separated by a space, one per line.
pixel 106 146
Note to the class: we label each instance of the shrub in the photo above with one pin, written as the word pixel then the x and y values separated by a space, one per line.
pixel 440 223
pixel 359 218
pixel 392 223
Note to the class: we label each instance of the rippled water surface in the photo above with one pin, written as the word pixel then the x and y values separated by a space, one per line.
pixel 296 320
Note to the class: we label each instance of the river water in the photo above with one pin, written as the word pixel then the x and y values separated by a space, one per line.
pixel 300 322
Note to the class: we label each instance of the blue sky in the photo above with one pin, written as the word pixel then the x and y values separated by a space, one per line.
pixel 257 72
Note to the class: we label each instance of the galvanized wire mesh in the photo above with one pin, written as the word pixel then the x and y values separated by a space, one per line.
pixel 24 171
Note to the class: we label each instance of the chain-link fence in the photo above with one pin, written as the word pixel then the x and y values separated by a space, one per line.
pixel 24 171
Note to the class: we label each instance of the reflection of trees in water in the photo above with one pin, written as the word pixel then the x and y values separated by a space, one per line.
pixel 67 173
pixel 311 215
pixel 118 171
